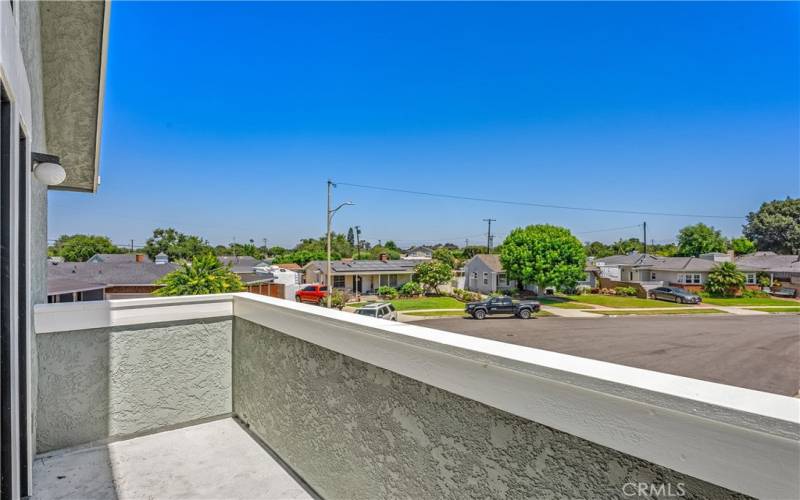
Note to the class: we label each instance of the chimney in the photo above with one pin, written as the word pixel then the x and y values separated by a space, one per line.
pixel 384 257
pixel 139 258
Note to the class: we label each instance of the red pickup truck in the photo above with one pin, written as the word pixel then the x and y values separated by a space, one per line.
pixel 312 293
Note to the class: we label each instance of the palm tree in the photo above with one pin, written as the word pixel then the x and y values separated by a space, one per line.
pixel 725 280
pixel 203 275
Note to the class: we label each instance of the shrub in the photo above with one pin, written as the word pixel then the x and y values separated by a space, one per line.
pixel 411 288
pixel 387 292
pixel 339 298
pixel 626 291
pixel 763 280
pixel 724 280
pixel 594 291
pixel 465 295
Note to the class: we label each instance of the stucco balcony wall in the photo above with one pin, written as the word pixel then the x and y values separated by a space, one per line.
pixel 363 408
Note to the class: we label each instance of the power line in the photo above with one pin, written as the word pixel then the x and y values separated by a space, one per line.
pixel 540 205
pixel 609 229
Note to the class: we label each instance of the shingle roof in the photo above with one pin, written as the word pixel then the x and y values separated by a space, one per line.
pixel 365 266
pixel 111 258
pixel 492 261
pixel 254 278
pixel 240 263
pixel 56 285
pixel 123 273
pixel 658 263
pixel 627 260
pixel 771 262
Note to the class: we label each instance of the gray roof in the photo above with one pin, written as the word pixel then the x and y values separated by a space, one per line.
pixel 255 278
pixel 633 259
pixel 492 261
pixel 110 258
pixel 240 263
pixel 365 266
pixel 121 273
pixel 57 285
pixel 771 262
pixel 658 263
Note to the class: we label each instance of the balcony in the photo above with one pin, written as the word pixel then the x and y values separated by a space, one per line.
pixel 246 396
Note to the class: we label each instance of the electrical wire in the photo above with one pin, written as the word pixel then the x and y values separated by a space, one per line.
pixel 539 205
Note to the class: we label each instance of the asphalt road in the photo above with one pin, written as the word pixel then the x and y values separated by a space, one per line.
pixel 755 352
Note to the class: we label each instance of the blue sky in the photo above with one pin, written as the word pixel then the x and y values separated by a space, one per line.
pixel 225 119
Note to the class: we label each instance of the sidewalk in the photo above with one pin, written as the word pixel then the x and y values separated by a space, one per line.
pixel 569 313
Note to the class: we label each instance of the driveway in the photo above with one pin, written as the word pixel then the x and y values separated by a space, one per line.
pixel 755 352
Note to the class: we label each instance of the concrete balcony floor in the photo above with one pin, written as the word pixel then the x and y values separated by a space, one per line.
pixel 215 459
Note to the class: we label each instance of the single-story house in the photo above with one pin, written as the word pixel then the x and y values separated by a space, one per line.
pixel 646 271
pixel 782 268
pixel 360 276
pixel 484 273
pixel 241 264
pixel 418 253
pixel 118 280
pixel 113 258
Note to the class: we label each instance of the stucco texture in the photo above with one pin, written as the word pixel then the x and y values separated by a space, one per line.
pixel 110 382
pixel 356 431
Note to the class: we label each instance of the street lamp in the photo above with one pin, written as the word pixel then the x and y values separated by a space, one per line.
pixel 331 211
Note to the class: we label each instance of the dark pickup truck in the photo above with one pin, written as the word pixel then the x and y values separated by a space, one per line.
pixel 502 305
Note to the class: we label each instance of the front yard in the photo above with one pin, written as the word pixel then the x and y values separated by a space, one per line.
pixel 654 312
pixel 418 303
pixel 615 301
pixel 749 301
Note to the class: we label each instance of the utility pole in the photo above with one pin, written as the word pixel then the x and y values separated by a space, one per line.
pixel 131 246
pixel 358 242
pixel 331 211
pixel 644 227
pixel 489 235
pixel 234 248
pixel 266 253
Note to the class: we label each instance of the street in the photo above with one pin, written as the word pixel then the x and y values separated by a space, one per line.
pixel 754 352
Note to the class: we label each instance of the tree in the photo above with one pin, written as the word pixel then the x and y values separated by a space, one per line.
pixel 742 246
pixel 175 244
pixel 433 273
pixel 776 226
pixel 442 254
pixel 80 247
pixel 699 239
pixel 351 237
pixel 624 247
pixel 598 249
pixel 725 280
pixel 340 247
pixel 203 275
pixel 544 255
pixel 472 250
pixel 301 257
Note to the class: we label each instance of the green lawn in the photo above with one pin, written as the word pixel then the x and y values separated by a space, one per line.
pixel 620 302
pixel 547 301
pixel 654 313
pixel 422 303
pixel 752 301
pixel 776 310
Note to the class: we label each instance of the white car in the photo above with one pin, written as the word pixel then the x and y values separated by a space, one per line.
pixel 383 310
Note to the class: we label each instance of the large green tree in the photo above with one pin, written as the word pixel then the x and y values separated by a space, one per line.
pixel 699 239
pixel 203 275
pixel 724 280
pixel 443 254
pixel 300 257
pixel 775 226
pixel 433 273
pixel 175 244
pixel 340 247
pixel 742 246
pixel 80 247
pixel 544 255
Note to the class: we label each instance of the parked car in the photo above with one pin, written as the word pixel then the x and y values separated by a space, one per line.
pixel 785 292
pixel 502 305
pixel 312 293
pixel 674 294
pixel 383 310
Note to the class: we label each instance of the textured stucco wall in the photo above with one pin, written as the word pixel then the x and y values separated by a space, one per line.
pixel 29 30
pixel 105 382
pixel 353 430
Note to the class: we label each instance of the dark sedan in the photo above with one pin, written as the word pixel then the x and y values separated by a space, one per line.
pixel 674 294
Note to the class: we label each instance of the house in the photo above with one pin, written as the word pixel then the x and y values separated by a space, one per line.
pixel 484 273
pixel 241 263
pixel 361 276
pixel 646 271
pixel 119 278
pixel 780 268
pixel 109 258
pixel 418 253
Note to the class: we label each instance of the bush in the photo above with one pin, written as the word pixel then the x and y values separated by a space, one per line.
pixel 625 291
pixel 387 292
pixel 339 298
pixel 724 280
pixel 465 295
pixel 411 289
pixel 594 291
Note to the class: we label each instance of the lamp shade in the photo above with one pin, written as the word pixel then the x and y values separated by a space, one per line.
pixel 50 174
